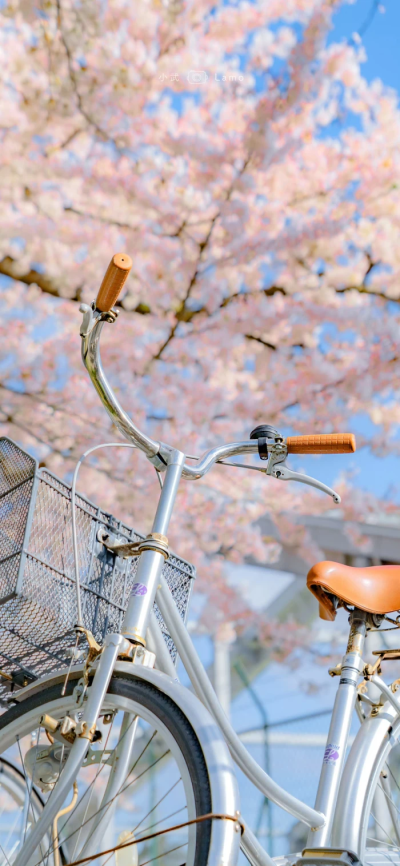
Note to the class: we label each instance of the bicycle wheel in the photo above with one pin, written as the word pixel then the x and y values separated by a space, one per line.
pixel 13 805
pixel 165 784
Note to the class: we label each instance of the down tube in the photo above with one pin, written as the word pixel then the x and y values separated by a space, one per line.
pixel 205 692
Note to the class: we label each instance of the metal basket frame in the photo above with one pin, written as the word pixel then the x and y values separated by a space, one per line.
pixel 38 602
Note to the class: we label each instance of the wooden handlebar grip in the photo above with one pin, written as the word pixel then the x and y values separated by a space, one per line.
pixel 113 282
pixel 324 443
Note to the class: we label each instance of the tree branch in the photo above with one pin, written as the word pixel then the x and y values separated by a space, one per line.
pixel 272 290
pixel 9 268
pixel 260 340
pixel 272 346
pixel 181 313
pixel 65 143
pixel 101 219
pixel 361 288
pixel 36 398
pixel 111 222
pixel 9 419
pixel 102 132
pixel 365 290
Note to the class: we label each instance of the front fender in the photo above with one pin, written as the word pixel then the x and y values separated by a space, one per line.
pixel 355 792
pixel 225 835
pixel 225 838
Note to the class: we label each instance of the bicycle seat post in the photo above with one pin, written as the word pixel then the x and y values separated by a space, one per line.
pixel 154 551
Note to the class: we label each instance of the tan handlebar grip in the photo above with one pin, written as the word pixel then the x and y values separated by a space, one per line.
pixel 324 443
pixel 113 282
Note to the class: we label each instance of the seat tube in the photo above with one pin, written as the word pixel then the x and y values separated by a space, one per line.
pixel 141 602
pixel 339 729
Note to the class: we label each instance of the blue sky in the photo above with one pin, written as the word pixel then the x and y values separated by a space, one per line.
pixel 381 39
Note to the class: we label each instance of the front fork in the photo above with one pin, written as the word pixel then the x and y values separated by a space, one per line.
pixel 134 628
pixel 112 648
pixel 121 766
pixel 335 752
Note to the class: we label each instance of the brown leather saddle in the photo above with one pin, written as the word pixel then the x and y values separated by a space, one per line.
pixel 375 589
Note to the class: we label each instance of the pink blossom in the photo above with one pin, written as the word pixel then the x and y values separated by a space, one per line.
pixel 251 226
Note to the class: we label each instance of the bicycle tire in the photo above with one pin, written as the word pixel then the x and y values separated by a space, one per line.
pixel 168 713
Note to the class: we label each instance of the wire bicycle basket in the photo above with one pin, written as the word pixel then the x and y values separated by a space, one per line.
pixel 38 607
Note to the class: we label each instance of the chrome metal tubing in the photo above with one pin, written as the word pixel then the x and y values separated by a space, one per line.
pixel 205 692
pixel 157 452
pixel 253 850
pixel 156 644
pixel 92 361
pixel 351 814
pixel 97 692
pixel 339 729
pixel 168 492
pixel 140 605
pixel 119 772
pixel 386 692
pixel 222 451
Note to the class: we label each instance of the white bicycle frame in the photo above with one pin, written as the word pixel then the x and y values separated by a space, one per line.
pixel 329 824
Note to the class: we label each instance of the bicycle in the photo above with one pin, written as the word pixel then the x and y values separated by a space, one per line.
pixel 76 795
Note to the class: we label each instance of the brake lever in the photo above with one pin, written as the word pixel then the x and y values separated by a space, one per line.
pixel 277 469
pixel 283 473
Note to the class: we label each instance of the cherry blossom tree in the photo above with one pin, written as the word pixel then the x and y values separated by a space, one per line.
pixel 253 175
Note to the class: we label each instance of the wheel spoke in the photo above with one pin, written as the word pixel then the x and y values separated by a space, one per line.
pixel 164 854
pixel 91 789
pixel 161 821
pixel 155 785
pixel 379 841
pixel 122 790
pixel 29 786
pixel 91 786
pixel 391 805
pixel 29 789
pixel 156 805
pixel 393 777
pixel 11 833
pixel 392 844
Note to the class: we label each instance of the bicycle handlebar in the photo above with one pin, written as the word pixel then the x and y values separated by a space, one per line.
pixel 92 361
pixel 158 452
